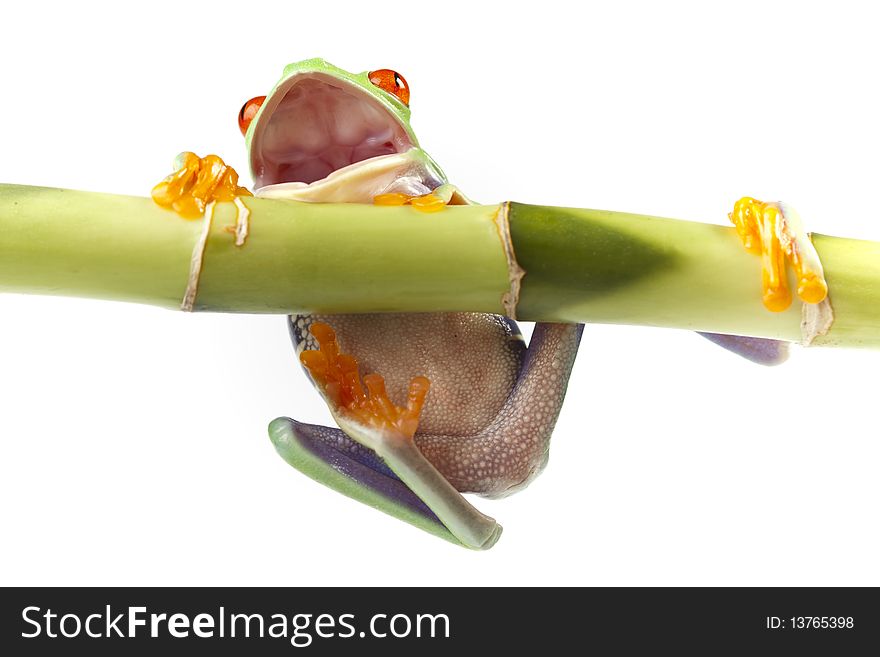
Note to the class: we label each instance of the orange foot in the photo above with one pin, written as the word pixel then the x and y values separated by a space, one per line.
pixel 197 182
pixel 427 203
pixel 774 231
pixel 337 375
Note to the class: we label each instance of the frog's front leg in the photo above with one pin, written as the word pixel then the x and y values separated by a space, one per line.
pixel 774 231
pixel 197 182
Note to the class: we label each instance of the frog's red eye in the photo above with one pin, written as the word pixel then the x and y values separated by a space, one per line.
pixel 248 112
pixel 392 82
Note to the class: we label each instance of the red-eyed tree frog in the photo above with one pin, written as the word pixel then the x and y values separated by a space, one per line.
pixel 451 402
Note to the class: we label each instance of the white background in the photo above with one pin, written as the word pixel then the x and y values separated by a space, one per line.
pixel 133 445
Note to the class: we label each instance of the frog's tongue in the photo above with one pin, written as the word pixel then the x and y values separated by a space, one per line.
pixel 319 125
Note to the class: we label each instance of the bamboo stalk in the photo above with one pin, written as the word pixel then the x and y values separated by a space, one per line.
pixel 581 265
pixel 637 269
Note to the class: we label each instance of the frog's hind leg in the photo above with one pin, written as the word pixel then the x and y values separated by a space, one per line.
pixel 330 457
pixel 492 449
pixel 466 445
pixel 763 351
pixel 384 433
pixel 513 449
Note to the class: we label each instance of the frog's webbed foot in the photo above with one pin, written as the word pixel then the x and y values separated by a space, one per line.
pixel 197 182
pixel 774 231
pixel 373 420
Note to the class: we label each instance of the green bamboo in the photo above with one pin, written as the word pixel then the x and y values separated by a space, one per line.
pixel 620 268
pixel 298 256
pixel 581 265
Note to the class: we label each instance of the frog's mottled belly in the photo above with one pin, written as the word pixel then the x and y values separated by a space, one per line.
pixel 472 359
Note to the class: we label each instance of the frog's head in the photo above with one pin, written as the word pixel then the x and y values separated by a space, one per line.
pixel 319 119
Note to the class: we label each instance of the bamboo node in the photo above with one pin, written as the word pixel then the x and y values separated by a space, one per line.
pixel 242 227
pixel 195 263
pixel 816 320
pixel 515 273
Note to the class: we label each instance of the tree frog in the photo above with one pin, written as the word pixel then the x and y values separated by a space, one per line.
pixel 476 405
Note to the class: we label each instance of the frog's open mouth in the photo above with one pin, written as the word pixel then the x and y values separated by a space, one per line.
pixel 318 124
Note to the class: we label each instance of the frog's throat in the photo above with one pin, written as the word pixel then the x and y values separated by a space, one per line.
pixel 313 124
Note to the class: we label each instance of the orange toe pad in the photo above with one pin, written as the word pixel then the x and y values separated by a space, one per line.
pixel 774 231
pixel 337 375
pixel 426 203
pixel 199 181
